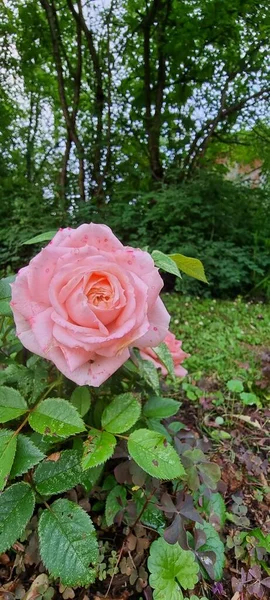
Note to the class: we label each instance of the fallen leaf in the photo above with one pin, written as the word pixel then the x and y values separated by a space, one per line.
pixel 38 587
pixel 54 457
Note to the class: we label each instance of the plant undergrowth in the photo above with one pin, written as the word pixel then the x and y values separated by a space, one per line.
pixel 145 488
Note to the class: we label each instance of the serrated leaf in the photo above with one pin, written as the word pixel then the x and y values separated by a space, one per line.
pixel 56 416
pixel 154 454
pixel 68 543
pixel 190 266
pixel 98 447
pixel 115 501
pixel 149 372
pixel 160 408
pixel 80 398
pixel 213 544
pixel 171 568
pixel 27 456
pixel 121 414
pixel 8 443
pixel 12 404
pixel 16 509
pixel 42 237
pixel 165 262
pixel 164 354
pixel 55 477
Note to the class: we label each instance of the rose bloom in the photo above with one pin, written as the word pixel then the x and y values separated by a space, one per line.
pixel 178 356
pixel 85 299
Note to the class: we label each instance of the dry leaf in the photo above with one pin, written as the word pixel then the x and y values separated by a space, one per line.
pixel 54 457
pixel 38 587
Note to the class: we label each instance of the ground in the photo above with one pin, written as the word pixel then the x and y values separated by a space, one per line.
pixel 225 406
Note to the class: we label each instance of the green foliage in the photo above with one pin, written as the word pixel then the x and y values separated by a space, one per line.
pixel 212 544
pixel 191 266
pixel 12 404
pixel 115 501
pixel 60 474
pixel 163 353
pixel 16 508
pixel 121 414
pixel 67 531
pixel 98 447
pixel 27 456
pixel 8 443
pixel 154 454
pixel 55 416
pixel 171 568
pixel 235 386
pixel 42 237
pixel 166 263
pixel 80 398
pixel 160 408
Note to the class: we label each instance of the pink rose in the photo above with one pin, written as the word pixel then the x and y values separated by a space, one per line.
pixel 178 356
pixel 85 299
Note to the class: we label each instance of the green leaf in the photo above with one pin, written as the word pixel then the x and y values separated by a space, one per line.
pixel 154 454
pixel 152 516
pixel 235 386
pixel 98 447
pixel 216 506
pixel 57 476
pixel 213 544
pixel 249 399
pixel 80 398
pixel 156 425
pixel 210 473
pixel 171 568
pixel 164 354
pixel 149 372
pixel 56 416
pixel 8 443
pixel 42 237
pixel 190 266
pixel 68 543
pixel 160 408
pixel 165 262
pixel 264 540
pixel 90 477
pixel 115 501
pixel 16 509
pixel 5 289
pixel 121 414
pixel 27 456
pixel 5 309
pixel 12 404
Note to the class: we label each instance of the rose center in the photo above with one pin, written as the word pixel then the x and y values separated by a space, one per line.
pixel 99 292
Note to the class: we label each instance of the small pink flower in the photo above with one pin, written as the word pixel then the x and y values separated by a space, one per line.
pixel 85 299
pixel 178 356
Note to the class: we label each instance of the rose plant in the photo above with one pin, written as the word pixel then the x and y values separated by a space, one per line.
pixel 88 311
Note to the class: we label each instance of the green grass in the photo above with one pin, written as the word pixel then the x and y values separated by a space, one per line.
pixel 224 338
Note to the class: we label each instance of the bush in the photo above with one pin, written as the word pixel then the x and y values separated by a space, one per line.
pixel 225 224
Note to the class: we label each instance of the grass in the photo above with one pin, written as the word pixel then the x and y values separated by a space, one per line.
pixel 224 338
